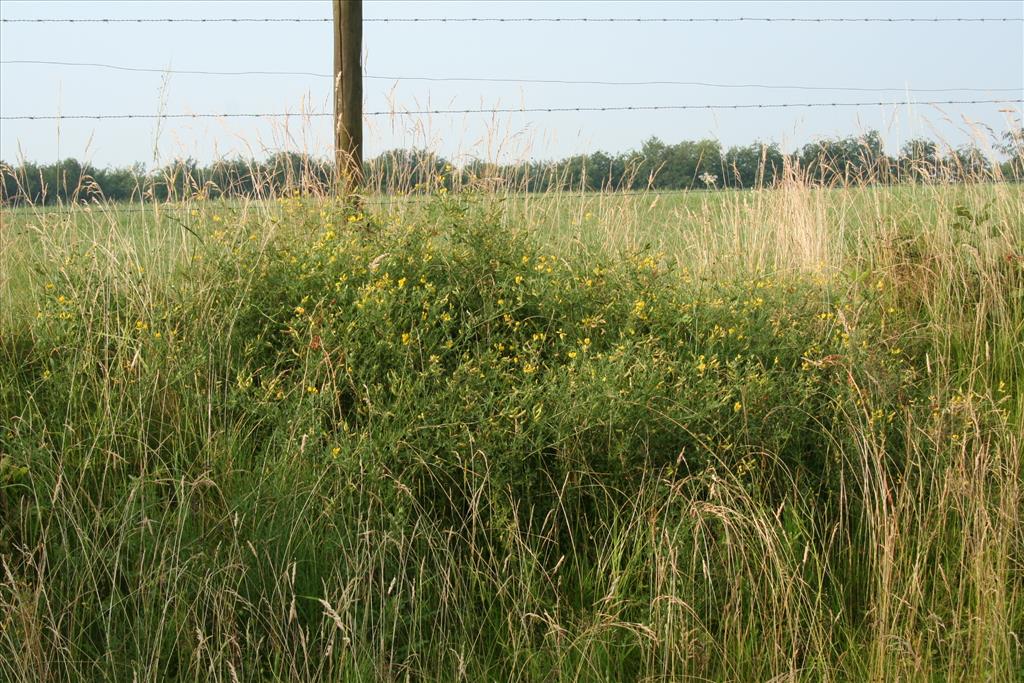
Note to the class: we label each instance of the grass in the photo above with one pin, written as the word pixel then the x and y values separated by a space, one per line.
pixel 765 435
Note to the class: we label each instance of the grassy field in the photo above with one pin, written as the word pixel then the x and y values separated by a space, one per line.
pixel 759 435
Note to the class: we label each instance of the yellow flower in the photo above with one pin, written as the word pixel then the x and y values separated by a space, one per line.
pixel 529 369
pixel 401 282
pixel 406 338
pixel 335 451
pixel 299 310
pixel 638 309
pixel 312 390
pixel 737 407
pixel 140 325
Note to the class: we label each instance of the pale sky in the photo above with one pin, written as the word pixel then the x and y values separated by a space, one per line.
pixel 901 56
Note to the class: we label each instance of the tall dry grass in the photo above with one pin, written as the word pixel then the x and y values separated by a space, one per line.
pixel 164 519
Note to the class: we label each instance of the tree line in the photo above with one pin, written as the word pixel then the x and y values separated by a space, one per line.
pixel 701 164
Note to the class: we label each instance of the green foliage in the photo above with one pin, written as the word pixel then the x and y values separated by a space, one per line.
pixel 467 339
pixel 657 165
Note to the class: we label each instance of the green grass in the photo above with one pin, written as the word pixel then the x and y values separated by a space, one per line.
pixel 769 435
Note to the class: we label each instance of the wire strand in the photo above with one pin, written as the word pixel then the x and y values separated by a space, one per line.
pixel 477 79
pixel 502 110
pixel 517 20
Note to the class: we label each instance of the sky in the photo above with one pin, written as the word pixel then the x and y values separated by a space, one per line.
pixel 900 56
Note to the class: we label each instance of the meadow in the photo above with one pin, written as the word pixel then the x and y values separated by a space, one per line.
pixel 770 434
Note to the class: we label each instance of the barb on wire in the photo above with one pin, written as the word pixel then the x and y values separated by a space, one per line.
pixel 477 79
pixel 514 20
pixel 506 110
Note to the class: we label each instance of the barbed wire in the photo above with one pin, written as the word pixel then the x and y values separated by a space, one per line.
pixel 513 20
pixel 505 110
pixel 480 79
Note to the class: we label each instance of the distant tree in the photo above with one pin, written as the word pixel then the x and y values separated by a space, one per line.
pixel 120 184
pixel 756 165
pixel 407 170
pixel 919 160
pixel 16 187
pixel 655 165
pixel 968 164
pixel 849 160
pixel 1013 147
